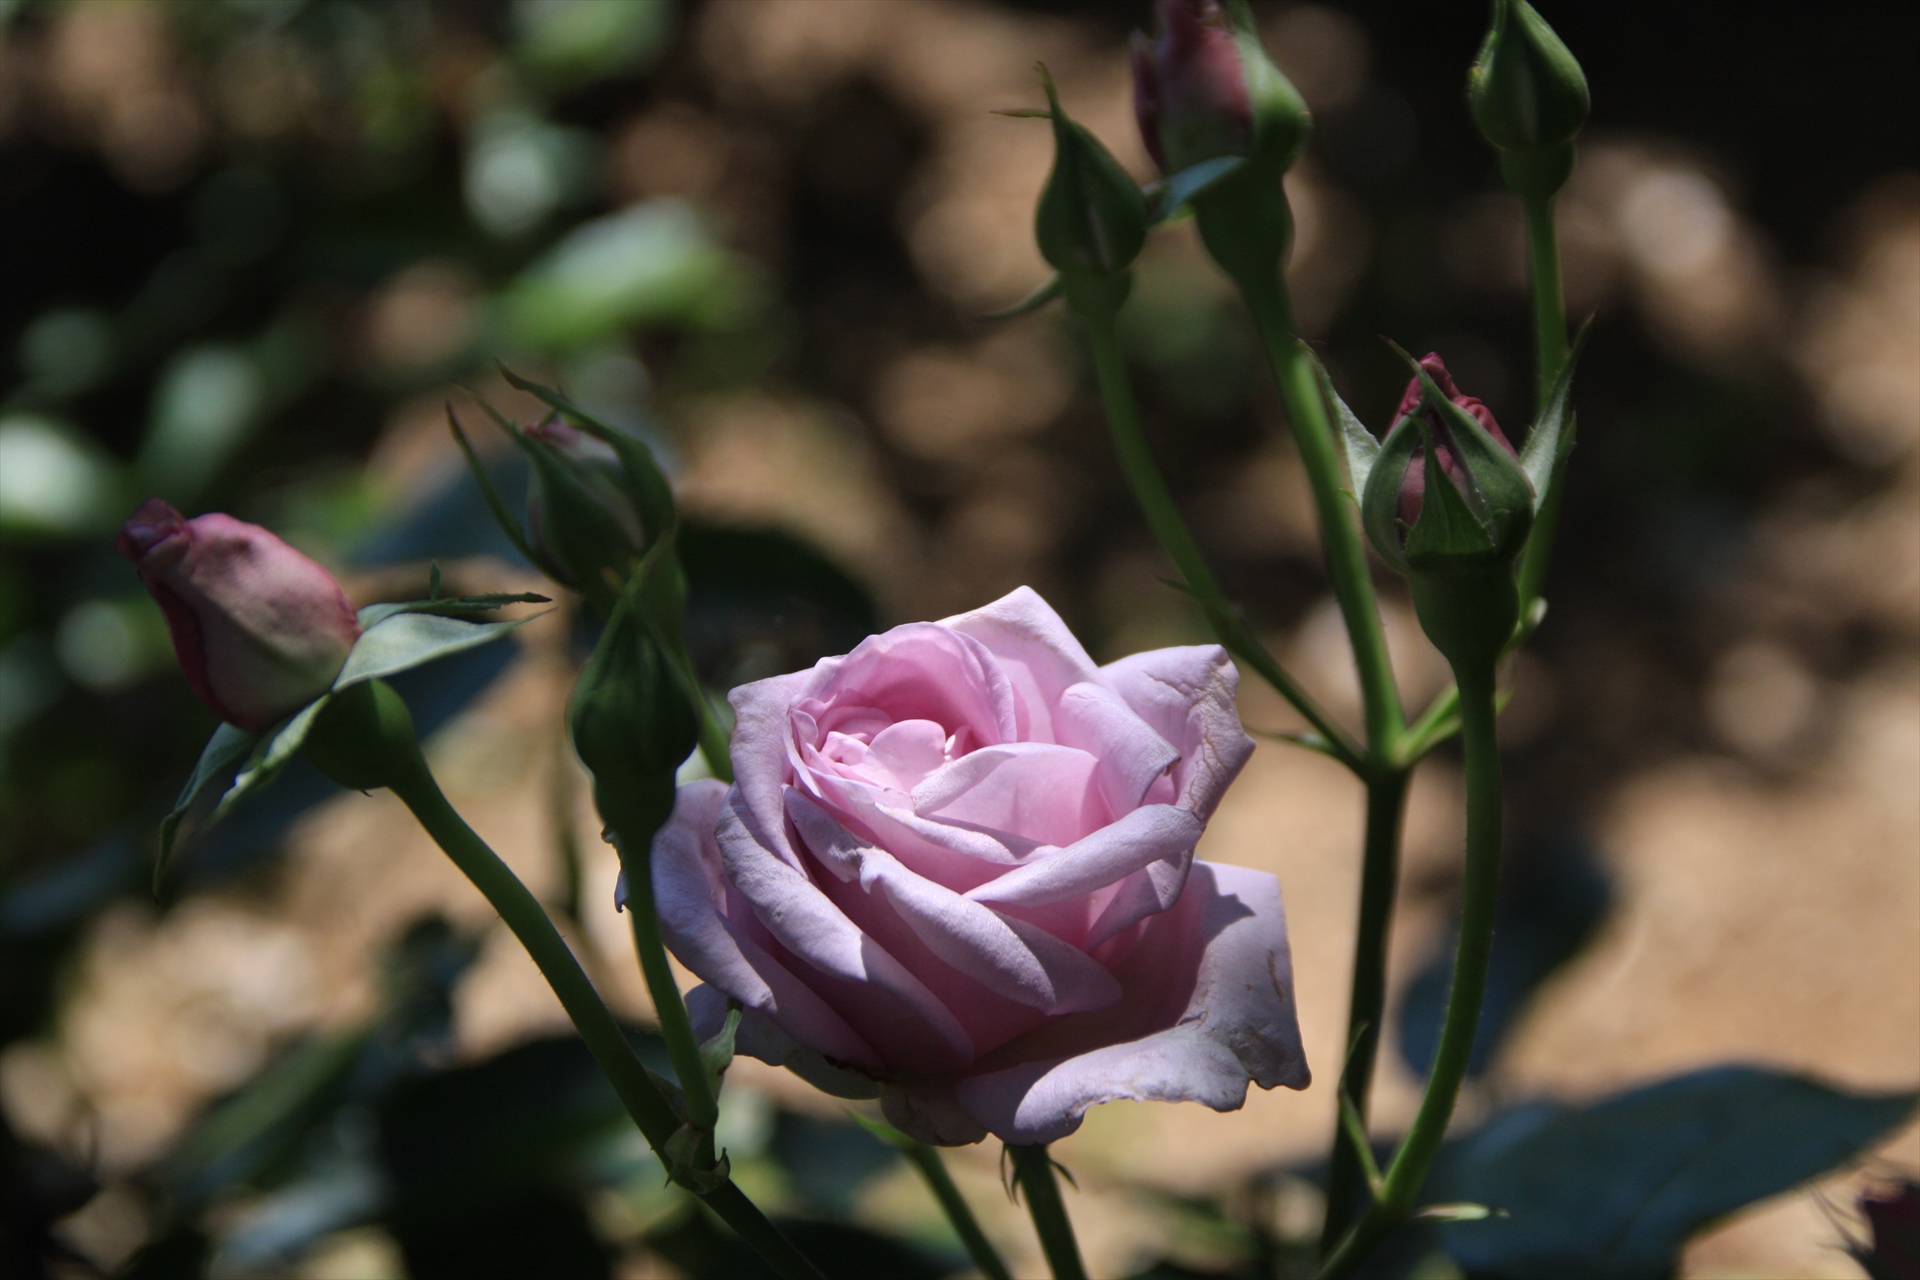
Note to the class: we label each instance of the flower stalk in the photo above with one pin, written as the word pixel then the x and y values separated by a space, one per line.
pixel 364 740
pixel 1033 1173
pixel 933 1169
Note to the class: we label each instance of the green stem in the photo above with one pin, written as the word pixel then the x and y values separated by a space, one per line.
pixel 1339 530
pixel 1550 353
pixel 669 1006
pixel 415 786
pixel 1033 1168
pixel 1411 1163
pixel 1163 517
pixel 1379 875
pixel 927 1160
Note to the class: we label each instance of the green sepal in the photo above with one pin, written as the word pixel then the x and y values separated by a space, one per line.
pixel 1179 188
pixel 1498 492
pixel 1380 500
pixel 716 1051
pixel 1092 219
pixel 629 717
pixel 646 483
pixel 1548 445
pixel 1361 449
pixel 1448 529
pixel 393 638
pixel 1039 298
pixel 503 514
pixel 685 1155
pixel 1456 1213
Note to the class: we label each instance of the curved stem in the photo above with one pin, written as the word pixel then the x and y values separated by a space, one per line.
pixel 1339 532
pixel 415 786
pixel 1408 1171
pixel 1550 353
pixel 669 1006
pixel 1380 872
pixel 1163 517
pixel 1033 1168
pixel 927 1160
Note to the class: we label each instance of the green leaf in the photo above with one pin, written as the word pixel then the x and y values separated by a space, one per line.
pixel 1611 1191
pixel 1551 441
pixel 448 606
pixel 1362 449
pixel 404 639
pixel 218 762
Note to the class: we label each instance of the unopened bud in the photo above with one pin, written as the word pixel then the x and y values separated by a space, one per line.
pixel 1529 98
pixel 1092 219
pixel 581 518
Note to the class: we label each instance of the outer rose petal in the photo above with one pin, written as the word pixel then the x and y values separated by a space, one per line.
pixel 1233 1025
pixel 1186 694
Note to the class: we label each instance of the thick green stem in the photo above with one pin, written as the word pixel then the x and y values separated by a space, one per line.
pixel 1339 528
pixel 1407 1173
pixel 927 1160
pixel 1163 517
pixel 1033 1167
pixel 676 1028
pixel 1379 876
pixel 523 914
pixel 1550 353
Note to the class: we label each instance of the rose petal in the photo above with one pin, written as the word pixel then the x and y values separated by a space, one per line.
pixel 1208 1008
pixel 1009 957
pixel 1149 834
pixel 1039 655
pixel 874 992
pixel 1035 790
pixel 688 886
pixel 1186 694
pixel 919 671
pixel 1132 755
pixel 759 753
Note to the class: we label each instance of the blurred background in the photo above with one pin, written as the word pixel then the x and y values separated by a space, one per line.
pixel 252 247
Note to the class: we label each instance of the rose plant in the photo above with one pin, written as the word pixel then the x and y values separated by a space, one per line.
pixel 956 867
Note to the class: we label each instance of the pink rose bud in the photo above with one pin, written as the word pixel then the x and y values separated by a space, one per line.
pixel 1413 486
pixel 956 869
pixel 1190 89
pixel 259 629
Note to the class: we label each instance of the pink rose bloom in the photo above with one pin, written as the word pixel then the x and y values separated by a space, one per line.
pixel 956 870
pixel 259 629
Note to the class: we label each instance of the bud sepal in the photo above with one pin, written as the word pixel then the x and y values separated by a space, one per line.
pixel 1092 220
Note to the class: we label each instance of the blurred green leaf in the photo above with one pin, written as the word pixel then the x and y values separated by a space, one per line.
pixel 567 42
pixel 54 481
pixel 1611 1191
pixel 654 263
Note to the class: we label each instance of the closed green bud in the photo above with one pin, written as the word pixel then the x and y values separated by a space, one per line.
pixel 630 717
pixel 1529 98
pixel 1092 219
pixel 1448 503
pixel 581 519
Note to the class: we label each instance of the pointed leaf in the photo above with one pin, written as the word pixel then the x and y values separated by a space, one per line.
pixel 272 753
pixel 1039 298
pixel 403 640
pixel 1361 448
pixel 1611 1191
pixel 1551 440
pixel 219 760
pixel 448 606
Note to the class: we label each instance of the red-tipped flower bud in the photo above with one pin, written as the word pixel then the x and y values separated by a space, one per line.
pixel 1413 484
pixel 260 630
pixel 1204 89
